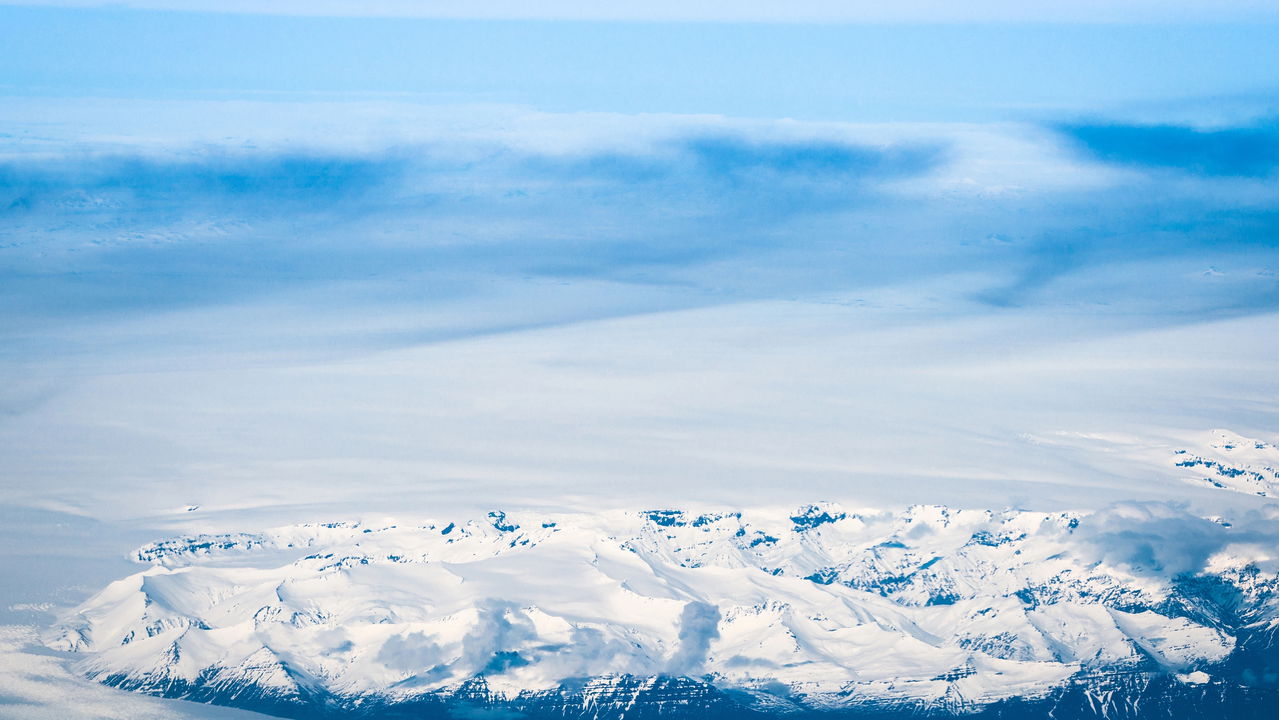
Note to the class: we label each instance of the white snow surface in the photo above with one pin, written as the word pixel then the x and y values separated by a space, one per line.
pixel 38 685
pixel 1230 461
pixel 926 604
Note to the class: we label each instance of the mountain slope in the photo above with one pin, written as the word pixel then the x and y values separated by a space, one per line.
pixel 927 609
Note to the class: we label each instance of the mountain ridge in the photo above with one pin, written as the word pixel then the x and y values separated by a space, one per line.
pixel 820 609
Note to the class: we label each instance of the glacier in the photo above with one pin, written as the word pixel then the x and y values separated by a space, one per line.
pixel 1128 611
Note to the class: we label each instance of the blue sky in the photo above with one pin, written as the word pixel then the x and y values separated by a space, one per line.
pixel 932 11
pixel 846 72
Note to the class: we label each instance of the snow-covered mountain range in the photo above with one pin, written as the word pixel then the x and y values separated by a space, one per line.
pixel 670 612
pixel 1231 462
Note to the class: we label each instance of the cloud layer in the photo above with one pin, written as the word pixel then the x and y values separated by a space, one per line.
pixel 712 214
pixel 573 303
pixel 1250 151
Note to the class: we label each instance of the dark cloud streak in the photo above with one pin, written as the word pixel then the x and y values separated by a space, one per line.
pixel 1248 151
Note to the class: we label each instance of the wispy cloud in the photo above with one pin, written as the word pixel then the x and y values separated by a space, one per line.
pixel 698 627
pixel 1249 151
pixel 129 183
pixel 1189 221
pixel 199 225
pixel 707 214
pixel 909 244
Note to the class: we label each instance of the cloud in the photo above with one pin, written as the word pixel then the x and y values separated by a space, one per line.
pixel 739 159
pixel 698 626
pixel 130 183
pixel 413 653
pixel 494 643
pixel 620 215
pixel 715 166
pixel 1201 199
pixel 724 160
pixel 733 180
pixel 1249 151
pixel 1152 538
pixel 1162 540
pixel 589 648
pixel 192 227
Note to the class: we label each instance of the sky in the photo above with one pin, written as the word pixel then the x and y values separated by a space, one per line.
pixel 930 11
pixel 807 71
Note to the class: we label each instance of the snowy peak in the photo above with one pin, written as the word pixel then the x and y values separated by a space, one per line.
pixel 1232 462
pixel 813 607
